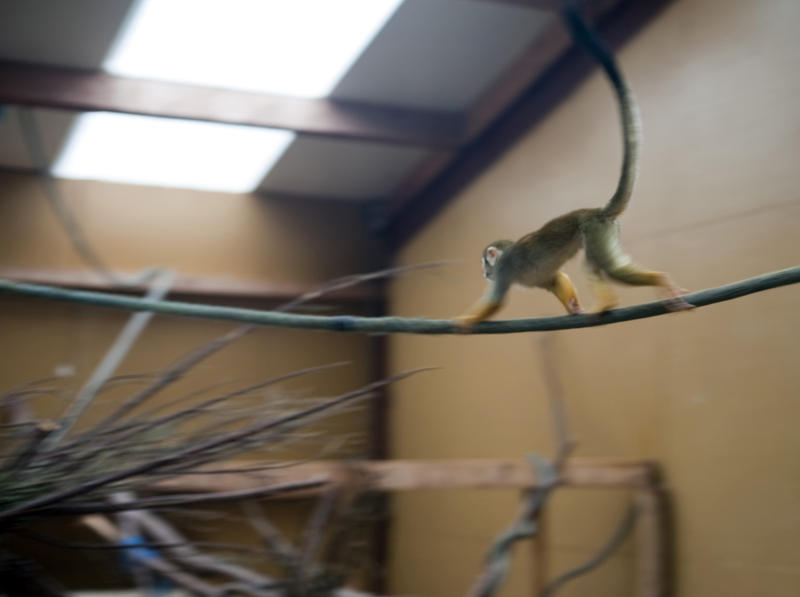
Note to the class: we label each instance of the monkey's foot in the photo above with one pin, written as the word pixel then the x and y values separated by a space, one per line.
pixel 573 307
pixel 607 304
pixel 675 301
pixel 604 301
pixel 600 309
pixel 463 324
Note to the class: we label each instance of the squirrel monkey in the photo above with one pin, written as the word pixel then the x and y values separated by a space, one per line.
pixel 536 258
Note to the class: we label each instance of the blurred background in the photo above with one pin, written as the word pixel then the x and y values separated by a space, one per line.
pixel 261 148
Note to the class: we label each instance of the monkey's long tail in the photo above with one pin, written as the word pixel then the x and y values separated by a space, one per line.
pixel 629 112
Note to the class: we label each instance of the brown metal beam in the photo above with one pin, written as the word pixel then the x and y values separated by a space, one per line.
pixel 74 89
pixel 535 85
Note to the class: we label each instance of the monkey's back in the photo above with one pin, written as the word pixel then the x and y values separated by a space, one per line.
pixel 536 257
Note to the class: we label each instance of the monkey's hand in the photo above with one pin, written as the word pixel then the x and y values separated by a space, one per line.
pixel 482 310
pixel 464 324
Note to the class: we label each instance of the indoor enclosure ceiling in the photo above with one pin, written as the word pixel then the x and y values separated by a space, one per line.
pixel 441 88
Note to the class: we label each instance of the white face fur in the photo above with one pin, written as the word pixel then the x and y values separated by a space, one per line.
pixel 488 261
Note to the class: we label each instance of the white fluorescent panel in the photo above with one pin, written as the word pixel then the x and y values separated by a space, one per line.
pixel 290 47
pixel 169 153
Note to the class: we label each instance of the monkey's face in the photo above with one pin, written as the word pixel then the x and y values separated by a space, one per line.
pixel 491 255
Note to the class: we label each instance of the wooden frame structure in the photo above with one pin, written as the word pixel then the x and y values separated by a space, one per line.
pixel 389 476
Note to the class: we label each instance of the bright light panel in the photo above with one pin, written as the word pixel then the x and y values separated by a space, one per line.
pixel 290 47
pixel 169 153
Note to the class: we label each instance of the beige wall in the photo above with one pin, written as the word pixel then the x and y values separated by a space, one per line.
pixel 712 394
pixel 217 235
pixel 245 237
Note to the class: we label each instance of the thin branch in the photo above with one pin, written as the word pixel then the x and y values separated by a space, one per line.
pixel 280 547
pixel 98 446
pixel 347 281
pixel 350 323
pixel 187 499
pixel 65 216
pixel 314 533
pixel 555 392
pixel 498 560
pixel 616 539
pixel 37 435
pixel 185 552
pixel 108 531
pixel 201 353
pixel 94 546
pixel 175 372
pixel 202 447
pixel 122 345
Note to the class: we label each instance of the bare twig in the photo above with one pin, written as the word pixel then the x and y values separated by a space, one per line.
pixel 527 522
pixel 555 392
pixel 202 447
pixel 99 446
pixel 347 281
pixel 187 499
pixel 196 356
pixel 93 546
pixel 498 560
pixel 52 193
pixel 282 550
pixel 616 539
pixel 185 552
pixel 313 535
pixel 175 372
pixel 349 323
pixel 108 531
pixel 37 435
pixel 119 349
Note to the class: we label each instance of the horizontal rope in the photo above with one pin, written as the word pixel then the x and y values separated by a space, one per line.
pixel 404 325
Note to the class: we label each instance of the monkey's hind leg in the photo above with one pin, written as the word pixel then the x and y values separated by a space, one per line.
pixel 562 287
pixel 630 274
pixel 604 252
pixel 603 293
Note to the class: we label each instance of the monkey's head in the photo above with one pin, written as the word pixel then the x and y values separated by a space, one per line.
pixel 491 255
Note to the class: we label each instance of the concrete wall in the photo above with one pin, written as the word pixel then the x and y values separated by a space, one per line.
pixel 712 395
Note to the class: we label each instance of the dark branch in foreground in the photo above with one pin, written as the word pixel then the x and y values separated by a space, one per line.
pixel 184 500
pixel 348 323
pixel 200 448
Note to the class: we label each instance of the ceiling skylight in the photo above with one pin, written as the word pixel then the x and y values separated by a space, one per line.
pixel 290 47
pixel 170 153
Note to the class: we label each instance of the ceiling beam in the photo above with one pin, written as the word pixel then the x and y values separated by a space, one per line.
pixel 541 4
pixel 74 89
pixel 503 117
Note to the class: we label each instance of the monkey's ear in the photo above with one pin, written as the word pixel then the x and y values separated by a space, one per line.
pixel 492 255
